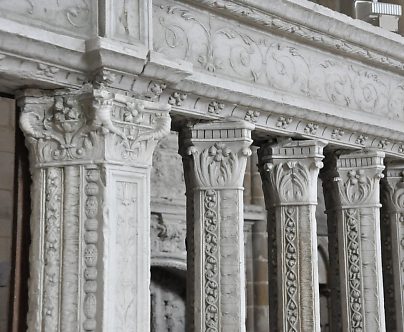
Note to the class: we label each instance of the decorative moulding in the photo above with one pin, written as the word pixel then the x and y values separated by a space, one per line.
pixel 318 26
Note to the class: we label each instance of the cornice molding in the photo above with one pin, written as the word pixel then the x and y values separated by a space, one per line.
pixel 287 18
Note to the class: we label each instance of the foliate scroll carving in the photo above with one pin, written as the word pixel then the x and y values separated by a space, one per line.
pixel 219 151
pixel 354 270
pixel 291 268
pixel 91 124
pixel 359 173
pixel 211 265
pixel 230 49
pixel 52 248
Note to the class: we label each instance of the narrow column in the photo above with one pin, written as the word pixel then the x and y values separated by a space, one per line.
pixel 215 156
pixel 90 155
pixel 290 172
pixel 334 221
pixel 356 204
pixel 393 245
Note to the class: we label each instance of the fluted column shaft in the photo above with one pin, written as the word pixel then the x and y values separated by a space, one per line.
pixel 393 244
pixel 355 204
pixel 289 173
pixel 90 158
pixel 215 156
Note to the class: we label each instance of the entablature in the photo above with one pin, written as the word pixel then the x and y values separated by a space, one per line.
pixel 291 68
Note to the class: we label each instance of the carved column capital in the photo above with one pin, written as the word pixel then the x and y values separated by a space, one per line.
pixel 359 173
pixel 293 169
pixel 90 125
pixel 393 186
pixel 219 150
pixel 290 169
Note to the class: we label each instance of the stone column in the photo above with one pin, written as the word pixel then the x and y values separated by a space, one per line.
pixel 393 244
pixel 334 221
pixel 290 173
pixel 90 155
pixel 215 156
pixel 355 203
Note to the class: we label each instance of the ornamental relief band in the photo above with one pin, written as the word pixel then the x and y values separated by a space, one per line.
pixel 231 49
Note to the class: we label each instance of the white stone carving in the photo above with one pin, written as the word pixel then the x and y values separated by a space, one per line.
pixel 354 198
pixel 215 156
pixel 291 170
pixel 234 50
pixel 393 240
pixel 90 155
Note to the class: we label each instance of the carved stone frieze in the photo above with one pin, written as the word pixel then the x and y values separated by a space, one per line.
pixel 234 50
pixel 75 18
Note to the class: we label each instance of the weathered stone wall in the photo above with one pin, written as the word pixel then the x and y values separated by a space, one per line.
pixel 7 134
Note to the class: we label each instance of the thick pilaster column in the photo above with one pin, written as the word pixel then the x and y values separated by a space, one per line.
pixel 356 204
pixel 215 156
pixel 90 154
pixel 393 244
pixel 290 171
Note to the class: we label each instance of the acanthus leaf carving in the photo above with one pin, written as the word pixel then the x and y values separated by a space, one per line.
pixel 74 126
pixel 218 165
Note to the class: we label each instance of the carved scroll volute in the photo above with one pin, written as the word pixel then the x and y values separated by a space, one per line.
pixel 359 173
pixel 92 124
pixel 292 169
pixel 219 151
pixel 130 127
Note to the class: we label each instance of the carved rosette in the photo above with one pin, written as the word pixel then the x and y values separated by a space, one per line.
pixel 358 184
pixel 289 171
pixel 393 243
pixel 215 156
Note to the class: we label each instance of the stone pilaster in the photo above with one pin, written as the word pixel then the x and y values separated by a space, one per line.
pixel 354 202
pixel 215 156
pixel 393 244
pixel 290 173
pixel 90 155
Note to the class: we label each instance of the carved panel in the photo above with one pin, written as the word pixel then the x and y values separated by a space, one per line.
pixel 211 268
pixel 230 49
pixel 73 17
pixel 52 249
pixel 92 211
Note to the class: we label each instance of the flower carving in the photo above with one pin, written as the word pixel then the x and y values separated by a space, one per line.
pixel 357 188
pixel 215 107
pixel 177 98
pixel 252 116
pixel 219 151
pixel 283 122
